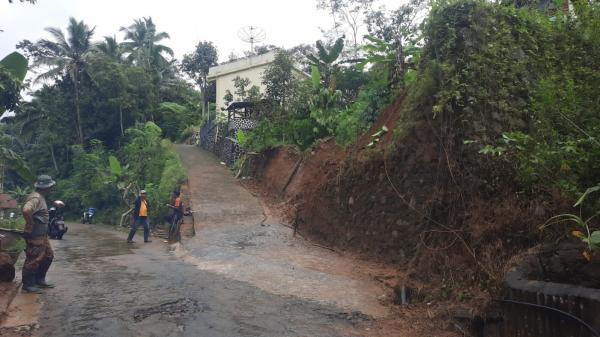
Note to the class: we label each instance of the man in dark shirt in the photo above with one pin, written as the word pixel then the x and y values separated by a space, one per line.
pixel 140 216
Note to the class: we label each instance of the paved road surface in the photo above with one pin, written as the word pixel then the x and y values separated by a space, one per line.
pixel 242 275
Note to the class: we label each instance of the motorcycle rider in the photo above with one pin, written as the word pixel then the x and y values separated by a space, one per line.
pixel 56 209
pixel 88 215
pixel 38 253
pixel 56 226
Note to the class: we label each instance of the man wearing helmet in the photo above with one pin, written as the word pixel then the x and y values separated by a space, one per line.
pixel 56 226
pixel 38 254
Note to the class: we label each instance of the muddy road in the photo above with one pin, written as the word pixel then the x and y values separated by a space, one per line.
pixel 106 287
pixel 243 274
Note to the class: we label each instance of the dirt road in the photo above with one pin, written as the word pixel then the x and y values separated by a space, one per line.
pixel 242 275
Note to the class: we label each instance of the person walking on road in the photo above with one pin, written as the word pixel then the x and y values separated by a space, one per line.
pixel 140 216
pixel 38 253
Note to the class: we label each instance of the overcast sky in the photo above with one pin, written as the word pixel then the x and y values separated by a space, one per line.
pixel 286 22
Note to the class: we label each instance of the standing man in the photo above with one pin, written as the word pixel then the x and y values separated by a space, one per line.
pixel 38 253
pixel 177 214
pixel 140 215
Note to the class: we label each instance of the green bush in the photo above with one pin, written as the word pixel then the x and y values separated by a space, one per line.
pixel 187 133
pixel 294 130
pixel 146 161
pixel 518 84
pixel 17 223
pixel 175 118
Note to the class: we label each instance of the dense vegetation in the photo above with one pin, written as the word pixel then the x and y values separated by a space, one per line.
pixel 97 100
pixel 518 81
pixel 350 81
pixel 498 131
pixel 513 81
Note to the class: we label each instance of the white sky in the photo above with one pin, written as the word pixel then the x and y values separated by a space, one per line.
pixel 286 22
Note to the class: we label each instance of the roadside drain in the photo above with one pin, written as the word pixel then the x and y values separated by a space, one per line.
pixel 178 308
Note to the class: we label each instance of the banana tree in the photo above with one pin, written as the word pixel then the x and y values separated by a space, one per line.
pixel 13 69
pixel 123 183
pixel 325 60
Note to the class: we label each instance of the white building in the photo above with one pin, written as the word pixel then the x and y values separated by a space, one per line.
pixel 250 67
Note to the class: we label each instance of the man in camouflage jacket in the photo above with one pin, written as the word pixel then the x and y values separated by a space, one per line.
pixel 38 254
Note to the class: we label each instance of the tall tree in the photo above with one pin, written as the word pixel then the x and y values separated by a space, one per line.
pixel 347 12
pixel 66 56
pixel 142 44
pixel 197 64
pixel 111 48
pixel 400 29
pixel 279 80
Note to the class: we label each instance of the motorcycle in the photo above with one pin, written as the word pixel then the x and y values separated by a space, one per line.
pixel 88 215
pixel 56 226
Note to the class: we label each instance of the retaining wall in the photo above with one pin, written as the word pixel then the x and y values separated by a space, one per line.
pixel 539 319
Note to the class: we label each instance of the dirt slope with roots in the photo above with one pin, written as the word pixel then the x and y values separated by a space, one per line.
pixel 447 216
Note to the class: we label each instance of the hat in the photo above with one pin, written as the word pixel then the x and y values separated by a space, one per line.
pixel 143 192
pixel 44 181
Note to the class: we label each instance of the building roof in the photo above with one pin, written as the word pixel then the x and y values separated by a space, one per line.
pixel 7 202
pixel 240 105
pixel 247 63
pixel 241 64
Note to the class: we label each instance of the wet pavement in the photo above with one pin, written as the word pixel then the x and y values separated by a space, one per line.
pixel 238 239
pixel 243 274
pixel 106 287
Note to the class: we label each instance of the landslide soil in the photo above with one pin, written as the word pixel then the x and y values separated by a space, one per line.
pixel 450 219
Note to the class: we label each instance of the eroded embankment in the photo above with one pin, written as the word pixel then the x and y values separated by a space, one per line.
pixel 447 216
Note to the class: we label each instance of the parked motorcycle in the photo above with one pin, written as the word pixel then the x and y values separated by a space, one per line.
pixel 88 216
pixel 56 226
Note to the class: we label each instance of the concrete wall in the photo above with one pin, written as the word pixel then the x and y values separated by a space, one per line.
pixel 250 67
pixel 225 82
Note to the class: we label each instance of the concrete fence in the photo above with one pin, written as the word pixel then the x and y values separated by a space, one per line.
pixel 221 139
pixel 535 308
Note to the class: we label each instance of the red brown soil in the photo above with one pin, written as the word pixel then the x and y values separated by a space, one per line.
pixel 450 218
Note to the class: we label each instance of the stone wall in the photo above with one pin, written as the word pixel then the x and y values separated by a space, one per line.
pixel 221 139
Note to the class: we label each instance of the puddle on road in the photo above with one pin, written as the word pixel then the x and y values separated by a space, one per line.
pixel 178 308
pixel 105 244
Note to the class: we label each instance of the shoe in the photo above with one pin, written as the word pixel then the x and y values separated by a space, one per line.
pixel 32 289
pixel 147 241
pixel 44 284
pixel 130 241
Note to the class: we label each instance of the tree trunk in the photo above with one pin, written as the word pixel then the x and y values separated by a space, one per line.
pixel 53 158
pixel 204 108
pixel 77 112
pixel 2 178
pixel 123 217
pixel 121 118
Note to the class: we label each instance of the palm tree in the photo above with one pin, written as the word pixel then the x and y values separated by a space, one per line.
pixel 111 48
pixel 142 44
pixel 67 56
